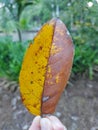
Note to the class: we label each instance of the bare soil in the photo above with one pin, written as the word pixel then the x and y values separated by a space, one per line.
pixel 77 108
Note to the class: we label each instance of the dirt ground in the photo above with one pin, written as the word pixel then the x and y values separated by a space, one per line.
pixel 77 109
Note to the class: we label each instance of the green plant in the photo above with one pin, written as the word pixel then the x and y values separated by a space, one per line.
pixel 11 12
pixel 11 55
pixel 86 56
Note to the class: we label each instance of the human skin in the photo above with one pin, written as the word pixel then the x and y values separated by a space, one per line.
pixel 47 123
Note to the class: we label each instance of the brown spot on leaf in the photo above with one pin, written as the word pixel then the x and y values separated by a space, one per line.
pixel 36 62
pixel 35 105
pixel 31 82
pixel 43 67
pixel 35 54
pixel 22 99
pixel 40 48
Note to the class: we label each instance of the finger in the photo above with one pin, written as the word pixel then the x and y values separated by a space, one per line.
pixel 35 124
pixel 56 123
pixel 46 124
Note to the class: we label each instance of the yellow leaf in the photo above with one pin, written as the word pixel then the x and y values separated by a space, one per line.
pixel 46 68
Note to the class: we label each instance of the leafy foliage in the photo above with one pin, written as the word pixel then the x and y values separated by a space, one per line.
pixel 11 55
pixel 86 48
pixel 12 10
pixel 85 58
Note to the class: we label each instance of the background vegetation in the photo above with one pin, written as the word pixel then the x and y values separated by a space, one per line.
pixel 80 17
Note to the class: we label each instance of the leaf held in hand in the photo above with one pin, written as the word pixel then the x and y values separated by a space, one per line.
pixel 46 68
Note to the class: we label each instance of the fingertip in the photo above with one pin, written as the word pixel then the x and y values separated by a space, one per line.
pixel 56 123
pixel 45 124
pixel 36 119
pixel 35 124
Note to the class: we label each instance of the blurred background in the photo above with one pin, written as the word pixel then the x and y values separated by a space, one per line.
pixel 20 20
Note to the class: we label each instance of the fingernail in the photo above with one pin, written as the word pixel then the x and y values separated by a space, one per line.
pixel 45 124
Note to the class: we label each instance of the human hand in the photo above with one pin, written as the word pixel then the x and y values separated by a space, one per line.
pixel 47 123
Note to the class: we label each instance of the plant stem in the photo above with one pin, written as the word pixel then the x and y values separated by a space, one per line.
pixel 19 34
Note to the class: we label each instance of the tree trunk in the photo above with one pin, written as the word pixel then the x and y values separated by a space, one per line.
pixel 19 34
